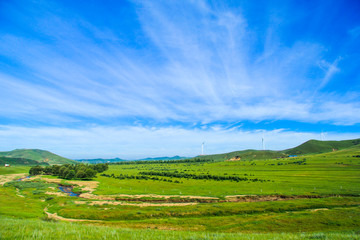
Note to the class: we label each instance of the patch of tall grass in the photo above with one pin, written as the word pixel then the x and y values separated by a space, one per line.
pixel 41 230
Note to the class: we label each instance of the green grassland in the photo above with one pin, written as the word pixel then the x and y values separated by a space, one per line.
pixel 14 170
pixel 320 174
pixel 37 229
pixel 315 146
pixel 315 196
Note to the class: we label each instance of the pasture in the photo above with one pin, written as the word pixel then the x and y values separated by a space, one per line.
pixel 334 173
pixel 293 198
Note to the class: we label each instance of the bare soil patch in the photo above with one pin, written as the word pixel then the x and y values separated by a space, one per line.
pixel 10 177
pixel 319 209
pixel 135 204
pixel 264 198
pixel 18 193
pixel 56 217
pixel 60 194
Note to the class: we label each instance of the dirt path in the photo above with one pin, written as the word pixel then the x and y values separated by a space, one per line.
pixel 60 194
pixel 10 177
pixel 264 198
pixel 138 196
pixel 136 204
pixel 319 209
pixel 56 217
pixel 165 196
pixel 18 193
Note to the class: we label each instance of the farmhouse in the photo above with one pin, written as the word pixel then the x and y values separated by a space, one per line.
pixel 7 165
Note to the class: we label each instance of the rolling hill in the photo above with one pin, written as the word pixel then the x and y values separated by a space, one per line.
pixel 249 154
pixel 315 146
pixel 309 147
pixel 40 156
pixel 19 161
pixel 112 160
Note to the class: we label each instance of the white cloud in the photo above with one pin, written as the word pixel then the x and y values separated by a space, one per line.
pixel 330 69
pixel 201 67
pixel 138 142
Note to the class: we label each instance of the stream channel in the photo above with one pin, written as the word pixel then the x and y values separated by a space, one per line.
pixel 65 189
pixel 68 190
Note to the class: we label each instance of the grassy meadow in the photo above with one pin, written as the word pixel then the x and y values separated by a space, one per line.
pixel 307 197
pixel 321 174
pixel 37 229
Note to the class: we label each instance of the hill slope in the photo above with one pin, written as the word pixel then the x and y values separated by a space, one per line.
pixel 37 155
pixel 249 154
pixel 315 146
pixel 309 147
pixel 19 161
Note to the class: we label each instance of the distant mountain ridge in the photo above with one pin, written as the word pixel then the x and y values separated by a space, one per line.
pixel 27 156
pixel 111 160
pixel 100 160
pixel 40 156
pixel 163 158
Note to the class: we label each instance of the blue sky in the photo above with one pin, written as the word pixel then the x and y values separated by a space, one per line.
pixel 133 79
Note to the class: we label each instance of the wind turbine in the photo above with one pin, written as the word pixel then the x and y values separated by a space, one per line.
pixel 322 136
pixel 263 143
pixel 202 148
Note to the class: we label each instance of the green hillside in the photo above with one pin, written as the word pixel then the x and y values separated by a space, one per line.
pixel 19 161
pixel 38 155
pixel 245 155
pixel 309 147
pixel 315 146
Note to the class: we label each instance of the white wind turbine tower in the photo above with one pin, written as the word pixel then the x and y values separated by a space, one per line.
pixel 322 136
pixel 263 143
pixel 202 148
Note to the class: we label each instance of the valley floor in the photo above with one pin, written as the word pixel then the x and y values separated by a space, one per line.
pixel 315 198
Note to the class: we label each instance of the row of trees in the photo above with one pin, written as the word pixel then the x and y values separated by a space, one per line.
pixel 154 175
pixel 202 176
pixel 70 171
pixel 190 160
pixel 142 177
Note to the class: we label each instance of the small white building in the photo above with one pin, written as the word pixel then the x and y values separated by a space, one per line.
pixel 7 165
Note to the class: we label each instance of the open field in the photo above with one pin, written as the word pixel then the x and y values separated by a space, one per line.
pixel 37 229
pixel 307 197
pixel 325 174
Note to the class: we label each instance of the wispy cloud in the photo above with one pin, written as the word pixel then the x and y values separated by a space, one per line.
pixel 204 63
pixel 330 69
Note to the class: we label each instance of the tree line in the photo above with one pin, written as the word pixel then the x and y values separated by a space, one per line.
pixel 190 160
pixel 126 176
pixel 70 171
pixel 202 176
pixel 153 175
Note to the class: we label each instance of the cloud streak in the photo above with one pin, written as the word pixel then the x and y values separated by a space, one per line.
pixel 187 63
pixel 206 70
